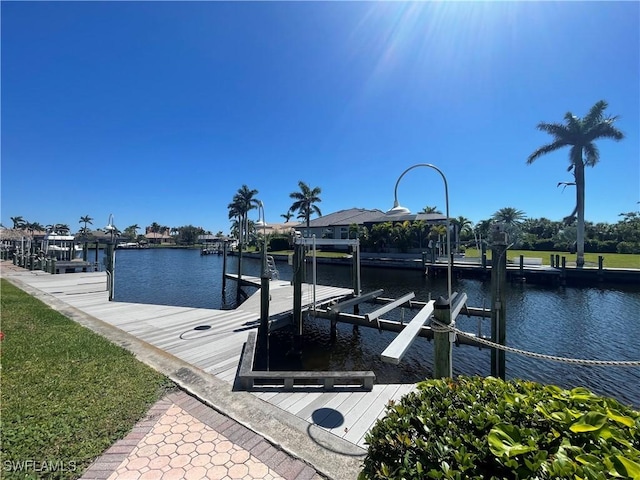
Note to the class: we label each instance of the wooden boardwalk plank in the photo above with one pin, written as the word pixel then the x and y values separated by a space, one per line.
pixel 370 415
pixel 350 409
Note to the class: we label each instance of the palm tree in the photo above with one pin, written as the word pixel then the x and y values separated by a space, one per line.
pixel 18 222
pixel 305 201
pixel 135 227
pixel 510 216
pixel 287 216
pixel 464 224
pixel 579 134
pixel 243 201
pixel 86 220
pixel 62 228
pixel 429 209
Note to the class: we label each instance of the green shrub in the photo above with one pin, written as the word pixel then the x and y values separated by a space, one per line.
pixel 628 247
pixel 545 244
pixel 278 244
pixel 486 428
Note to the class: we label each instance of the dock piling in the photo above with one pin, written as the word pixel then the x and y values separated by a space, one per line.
pixel 298 272
pixel 498 310
pixel 442 354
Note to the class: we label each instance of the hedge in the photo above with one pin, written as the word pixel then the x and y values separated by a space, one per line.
pixel 487 428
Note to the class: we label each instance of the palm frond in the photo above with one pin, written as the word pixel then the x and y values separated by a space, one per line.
pixel 595 114
pixel 551 147
pixel 591 154
pixel 605 129
pixel 558 130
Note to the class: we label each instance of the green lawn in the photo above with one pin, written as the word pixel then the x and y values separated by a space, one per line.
pixel 611 260
pixel 67 393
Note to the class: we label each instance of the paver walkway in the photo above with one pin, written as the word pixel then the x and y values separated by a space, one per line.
pixel 182 438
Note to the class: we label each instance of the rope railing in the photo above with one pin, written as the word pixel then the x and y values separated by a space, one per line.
pixel 440 327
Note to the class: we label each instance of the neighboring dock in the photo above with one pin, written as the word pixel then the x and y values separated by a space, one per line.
pixel 560 272
pixel 211 341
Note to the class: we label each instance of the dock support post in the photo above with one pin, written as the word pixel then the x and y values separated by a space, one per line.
pixel 334 329
pixel 483 255
pixel 263 331
pixel 110 268
pixel 239 282
pixel 356 276
pixel 224 272
pixel 442 354
pixel 498 310
pixel 600 268
pixel 298 273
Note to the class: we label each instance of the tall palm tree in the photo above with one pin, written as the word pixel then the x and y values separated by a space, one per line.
pixel 87 221
pixel 305 202
pixel 579 134
pixel 243 201
pixel 510 216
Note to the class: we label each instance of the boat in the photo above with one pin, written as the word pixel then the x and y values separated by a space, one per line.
pixel 128 245
pixel 62 247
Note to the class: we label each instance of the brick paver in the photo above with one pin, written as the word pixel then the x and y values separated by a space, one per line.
pixel 182 438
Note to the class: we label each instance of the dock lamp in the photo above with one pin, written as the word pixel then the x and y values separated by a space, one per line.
pixel 398 210
pixel 443 361
pixel 264 283
pixel 111 256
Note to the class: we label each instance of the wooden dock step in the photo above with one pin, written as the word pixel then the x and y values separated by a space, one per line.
pixel 396 349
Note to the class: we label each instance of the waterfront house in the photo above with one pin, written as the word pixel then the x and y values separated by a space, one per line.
pixel 157 238
pixel 336 225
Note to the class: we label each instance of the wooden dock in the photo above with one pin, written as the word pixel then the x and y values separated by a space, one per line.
pixel 212 340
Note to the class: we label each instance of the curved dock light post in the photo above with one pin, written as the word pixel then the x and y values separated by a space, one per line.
pixel 263 332
pixel 111 256
pixel 443 363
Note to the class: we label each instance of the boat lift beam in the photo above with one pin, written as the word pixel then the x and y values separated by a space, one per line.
pixel 388 326
pixel 396 349
pixel 389 306
pixel 338 307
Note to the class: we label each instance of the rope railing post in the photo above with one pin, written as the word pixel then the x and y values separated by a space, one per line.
pixel 498 310
pixel 442 354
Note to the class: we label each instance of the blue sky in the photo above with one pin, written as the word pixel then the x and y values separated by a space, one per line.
pixel 160 111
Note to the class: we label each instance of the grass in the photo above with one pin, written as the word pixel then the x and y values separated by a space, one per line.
pixel 67 393
pixel 611 260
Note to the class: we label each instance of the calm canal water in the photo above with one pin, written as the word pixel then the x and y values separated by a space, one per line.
pixel 589 323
